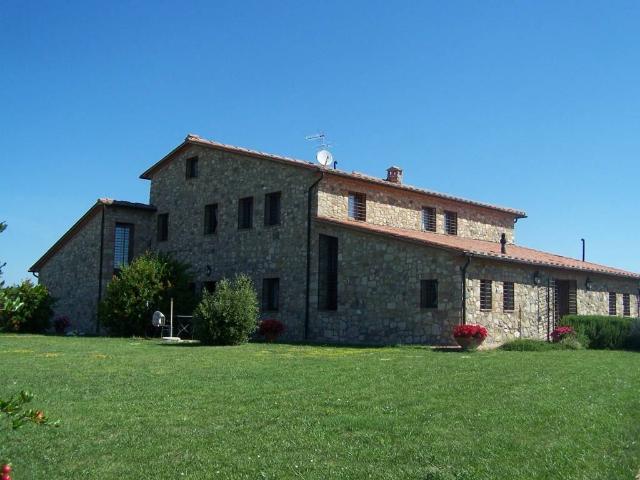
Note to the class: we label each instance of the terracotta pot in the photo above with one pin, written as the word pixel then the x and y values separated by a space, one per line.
pixel 469 343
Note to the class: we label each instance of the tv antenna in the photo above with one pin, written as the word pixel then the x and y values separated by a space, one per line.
pixel 323 155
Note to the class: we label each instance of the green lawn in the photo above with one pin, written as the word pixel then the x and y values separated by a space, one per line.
pixel 134 409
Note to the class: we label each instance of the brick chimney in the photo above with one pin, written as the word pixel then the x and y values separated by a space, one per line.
pixel 394 174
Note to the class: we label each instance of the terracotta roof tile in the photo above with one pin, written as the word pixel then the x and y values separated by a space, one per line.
pixel 483 248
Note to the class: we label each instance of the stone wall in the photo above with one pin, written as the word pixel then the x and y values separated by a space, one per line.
pixel 529 318
pixel 379 291
pixel 262 251
pixel 403 209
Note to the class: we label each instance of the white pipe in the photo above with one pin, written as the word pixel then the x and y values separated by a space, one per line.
pixel 171 319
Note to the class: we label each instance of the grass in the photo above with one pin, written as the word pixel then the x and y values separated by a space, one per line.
pixel 138 409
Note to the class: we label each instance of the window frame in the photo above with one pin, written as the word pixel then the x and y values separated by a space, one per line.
pixel 162 227
pixel 431 214
pixel 486 294
pixel 328 272
pixel 271 294
pixel 191 167
pixel 357 203
pixel 269 199
pixel 241 213
pixel 511 305
pixel 211 212
pixel 626 305
pixel 427 287
pixel 613 304
pixel 131 229
pixel 450 222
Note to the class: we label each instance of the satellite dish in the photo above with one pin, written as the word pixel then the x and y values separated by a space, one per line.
pixel 158 319
pixel 324 158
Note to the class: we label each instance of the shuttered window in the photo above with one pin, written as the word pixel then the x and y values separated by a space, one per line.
pixel 626 305
pixel 508 297
pixel 428 293
pixel 163 227
pixel 270 294
pixel 272 208
pixel 210 219
pixel 612 303
pixel 451 223
pixel 245 213
pixel 358 206
pixel 429 219
pixel 328 273
pixel 486 295
pixel 122 252
pixel 573 297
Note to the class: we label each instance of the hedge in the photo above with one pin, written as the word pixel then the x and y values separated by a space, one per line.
pixel 607 332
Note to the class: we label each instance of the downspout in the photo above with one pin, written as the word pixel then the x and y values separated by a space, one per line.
pixel 463 269
pixel 100 268
pixel 308 285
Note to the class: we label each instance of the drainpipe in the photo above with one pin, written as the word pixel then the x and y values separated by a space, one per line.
pixel 100 268
pixel 463 270
pixel 308 285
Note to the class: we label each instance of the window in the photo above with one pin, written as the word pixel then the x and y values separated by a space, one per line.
pixel 508 297
pixel 358 206
pixel 451 222
pixel 626 305
pixel 486 298
pixel 612 303
pixel 192 167
pixel 245 212
pixel 210 218
pixel 163 227
pixel 429 219
pixel 272 208
pixel 122 251
pixel 210 286
pixel 270 294
pixel 328 273
pixel 428 293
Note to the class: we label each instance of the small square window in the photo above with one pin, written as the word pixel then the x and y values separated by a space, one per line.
pixel 163 227
pixel 451 223
pixel 428 293
pixel 357 206
pixel 272 208
pixel 270 294
pixel 192 167
pixel 245 213
pixel 429 219
pixel 508 297
pixel 210 219
pixel 486 295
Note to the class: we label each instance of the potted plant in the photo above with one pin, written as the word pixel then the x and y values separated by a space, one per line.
pixel 469 337
pixel 270 329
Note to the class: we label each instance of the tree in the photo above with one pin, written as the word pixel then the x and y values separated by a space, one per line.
pixel 229 315
pixel 147 284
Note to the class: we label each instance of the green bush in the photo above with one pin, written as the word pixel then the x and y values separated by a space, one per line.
pixel 147 284
pixel 605 332
pixel 35 308
pixel 229 315
pixel 531 345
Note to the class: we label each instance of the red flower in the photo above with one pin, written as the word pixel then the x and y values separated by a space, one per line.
pixel 560 332
pixel 476 331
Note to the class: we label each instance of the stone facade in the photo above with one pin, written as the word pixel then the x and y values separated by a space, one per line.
pixel 403 209
pixel 379 275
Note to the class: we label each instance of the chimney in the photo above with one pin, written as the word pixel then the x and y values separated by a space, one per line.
pixel 503 244
pixel 394 174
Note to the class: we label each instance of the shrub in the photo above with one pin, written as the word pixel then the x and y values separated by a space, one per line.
pixel 145 285
pixel 604 332
pixel 229 315
pixel 34 311
pixel 271 328
pixel 532 345
pixel 475 331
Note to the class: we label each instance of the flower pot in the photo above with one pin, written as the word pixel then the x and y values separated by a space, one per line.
pixel 469 343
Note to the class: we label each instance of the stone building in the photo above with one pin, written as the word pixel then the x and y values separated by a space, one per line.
pixel 338 257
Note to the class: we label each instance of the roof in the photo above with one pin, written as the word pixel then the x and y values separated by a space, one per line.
pixel 192 139
pixel 93 211
pixel 482 248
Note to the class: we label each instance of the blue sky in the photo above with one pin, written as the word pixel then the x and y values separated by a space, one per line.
pixel 532 105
